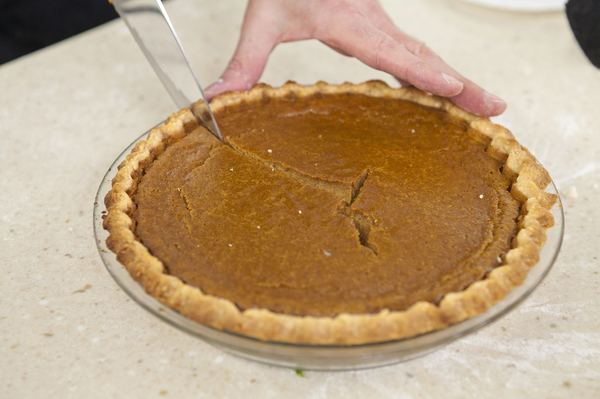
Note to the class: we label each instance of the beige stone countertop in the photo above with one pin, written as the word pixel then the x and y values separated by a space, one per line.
pixel 66 112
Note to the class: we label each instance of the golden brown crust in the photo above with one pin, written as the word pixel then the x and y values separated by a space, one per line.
pixel 529 182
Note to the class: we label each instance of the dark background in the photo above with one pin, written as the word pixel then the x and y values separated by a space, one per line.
pixel 29 25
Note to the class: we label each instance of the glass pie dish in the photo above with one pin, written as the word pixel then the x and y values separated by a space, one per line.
pixel 321 357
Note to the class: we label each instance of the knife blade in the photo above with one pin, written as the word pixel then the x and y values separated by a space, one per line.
pixel 154 33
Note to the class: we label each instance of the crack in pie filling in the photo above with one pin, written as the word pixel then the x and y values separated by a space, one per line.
pixel 331 214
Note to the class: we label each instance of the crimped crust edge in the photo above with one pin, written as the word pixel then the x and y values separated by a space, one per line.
pixel 529 182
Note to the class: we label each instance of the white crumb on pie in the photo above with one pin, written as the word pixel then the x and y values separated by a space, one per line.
pixel 258 227
pixel 499 259
pixel 320 135
pixel 269 150
pixel 571 193
pixel 231 169
pixel 326 253
pixel 481 196
pixel 413 131
pixel 300 212
pixel 230 245
pixel 272 169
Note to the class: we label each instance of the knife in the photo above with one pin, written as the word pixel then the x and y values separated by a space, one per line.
pixel 153 31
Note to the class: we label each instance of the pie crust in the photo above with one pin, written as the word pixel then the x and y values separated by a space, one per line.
pixel 529 181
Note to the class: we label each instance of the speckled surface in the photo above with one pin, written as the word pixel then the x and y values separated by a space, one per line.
pixel 66 112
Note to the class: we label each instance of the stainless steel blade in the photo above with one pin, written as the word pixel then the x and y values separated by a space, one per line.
pixel 153 31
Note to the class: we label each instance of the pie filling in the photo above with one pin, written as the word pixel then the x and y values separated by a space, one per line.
pixel 329 204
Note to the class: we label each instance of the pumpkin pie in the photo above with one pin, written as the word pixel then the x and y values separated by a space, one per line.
pixel 342 214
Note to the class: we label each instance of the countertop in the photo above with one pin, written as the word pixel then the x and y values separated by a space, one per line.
pixel 68 331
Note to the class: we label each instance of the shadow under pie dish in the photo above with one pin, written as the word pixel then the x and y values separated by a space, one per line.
pixel 331 215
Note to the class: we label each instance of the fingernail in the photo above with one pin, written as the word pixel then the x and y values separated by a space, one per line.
pixel 451 80
pixel 493 98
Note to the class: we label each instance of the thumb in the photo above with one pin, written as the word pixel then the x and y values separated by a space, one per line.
pixel 246 65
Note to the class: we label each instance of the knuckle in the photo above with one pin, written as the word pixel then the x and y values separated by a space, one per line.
pixel 381 48
pixel 404 72
pixel 236 65
pixel 238 71
pixel 422 51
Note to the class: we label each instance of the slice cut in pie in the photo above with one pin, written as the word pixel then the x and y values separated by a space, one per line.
pixel 330 215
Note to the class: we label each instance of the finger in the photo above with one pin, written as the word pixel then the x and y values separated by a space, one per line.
pixel 380 51
pixel 244 69
pixel 472 98
pixel 257 40
pixel 339 50
pixel 479 102
pixel 403 83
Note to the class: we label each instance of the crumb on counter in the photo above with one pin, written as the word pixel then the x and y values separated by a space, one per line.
pixel 571 193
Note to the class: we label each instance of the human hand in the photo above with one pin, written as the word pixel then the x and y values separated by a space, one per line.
pixel 356 28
